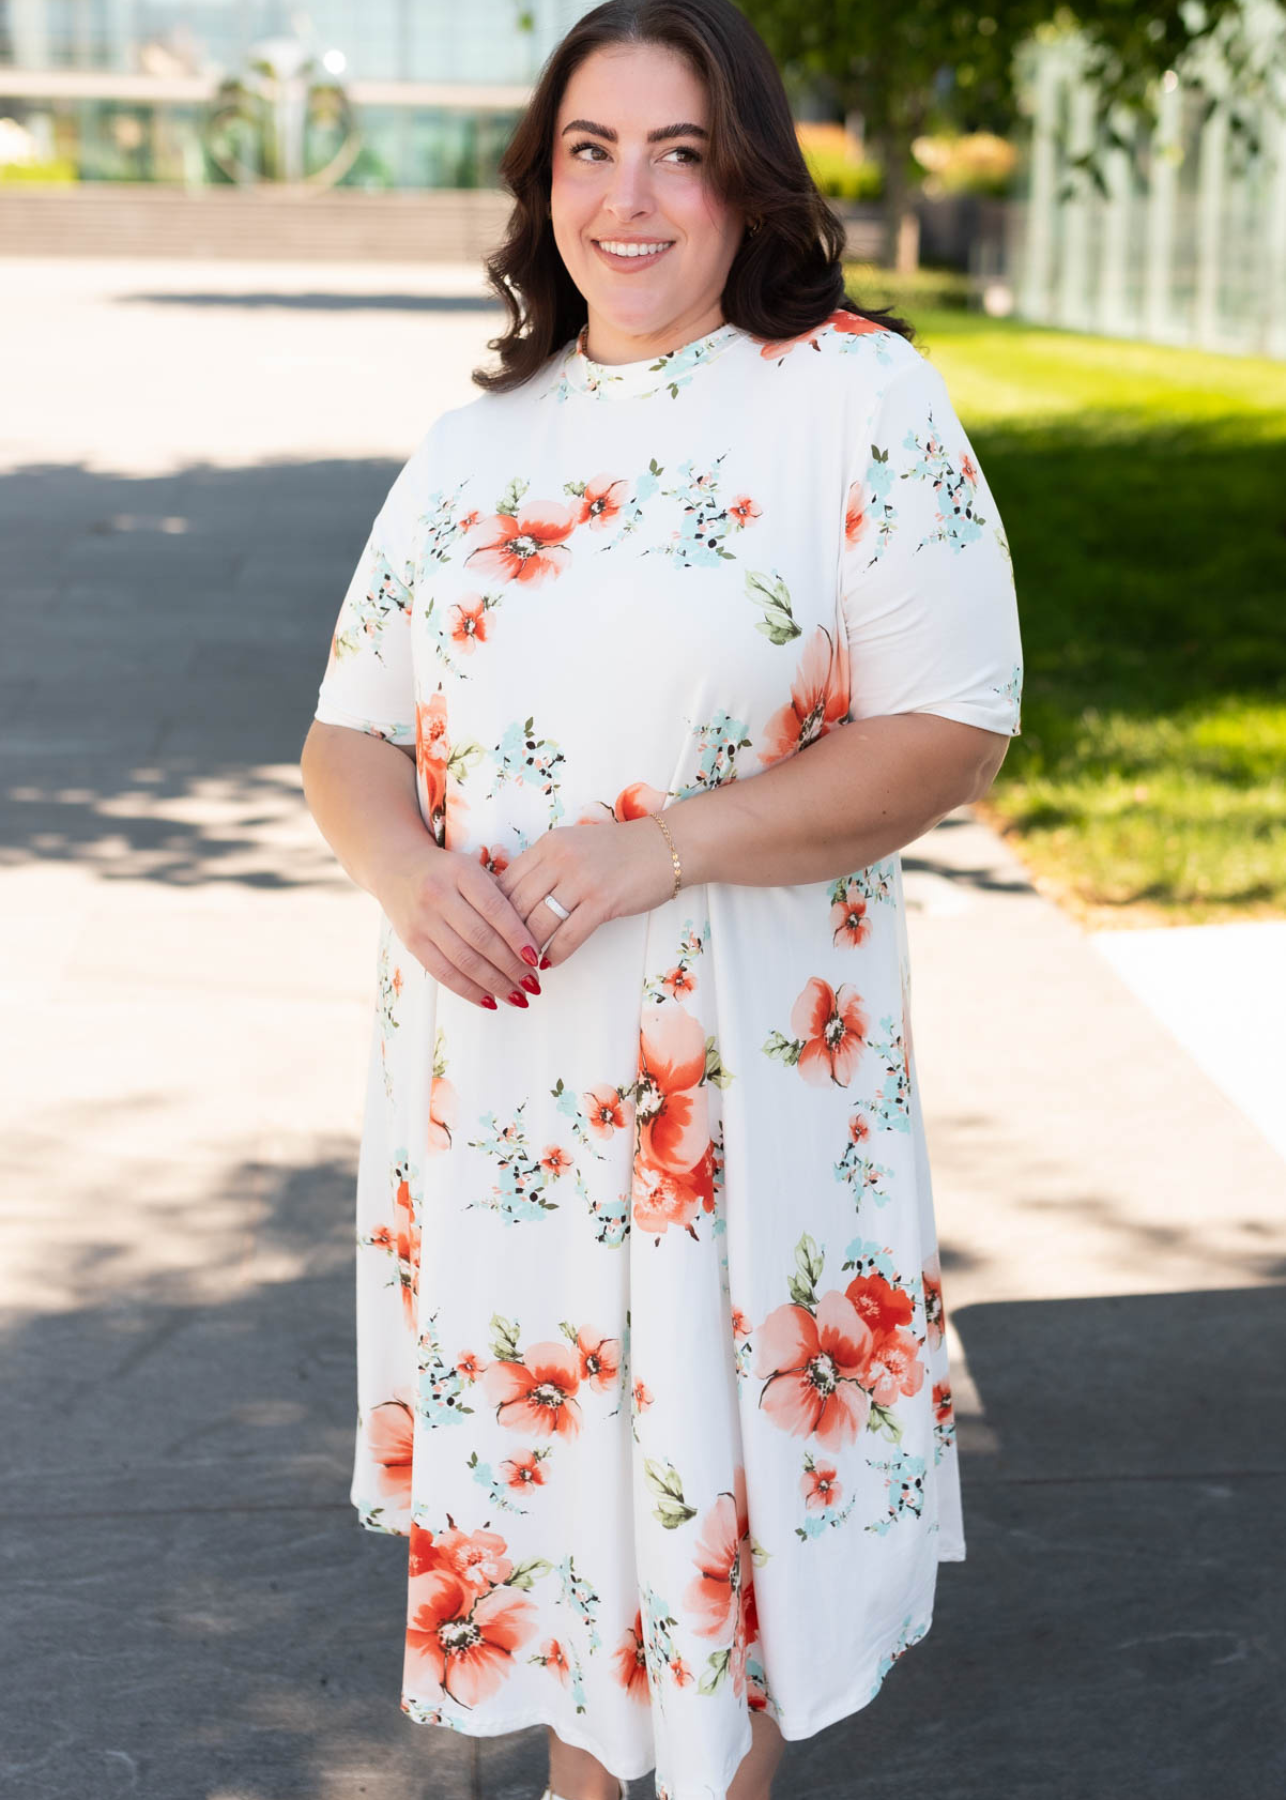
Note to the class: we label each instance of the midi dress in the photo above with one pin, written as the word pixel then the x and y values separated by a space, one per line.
pixel 651 1362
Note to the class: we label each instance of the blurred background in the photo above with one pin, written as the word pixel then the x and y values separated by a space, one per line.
pixel 240 274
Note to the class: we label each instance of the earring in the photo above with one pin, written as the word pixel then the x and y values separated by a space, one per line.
pixel 755 223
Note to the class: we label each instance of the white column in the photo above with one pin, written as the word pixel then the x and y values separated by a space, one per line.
pixel 1274 326
pixel 1034 300
pixel 1075 277
pixel 28 29
pixel 1116 315
pixel 1210 181
pixel 1158 280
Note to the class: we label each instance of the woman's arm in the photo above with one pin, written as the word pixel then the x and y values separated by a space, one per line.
pixel 444 906
pixel 856 795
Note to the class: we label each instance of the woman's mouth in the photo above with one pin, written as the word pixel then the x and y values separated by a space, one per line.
pixel 636 256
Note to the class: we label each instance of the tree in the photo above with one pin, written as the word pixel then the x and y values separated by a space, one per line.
pixel 907 65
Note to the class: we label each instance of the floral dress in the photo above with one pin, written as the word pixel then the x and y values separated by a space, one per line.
pixel 652 1371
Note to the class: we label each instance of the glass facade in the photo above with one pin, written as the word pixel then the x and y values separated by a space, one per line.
pixel 408 138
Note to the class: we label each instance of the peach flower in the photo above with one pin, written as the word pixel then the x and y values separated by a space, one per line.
pixel 813 1369
pixel 832 1025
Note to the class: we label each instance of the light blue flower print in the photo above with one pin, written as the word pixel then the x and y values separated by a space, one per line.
pixel 903 1486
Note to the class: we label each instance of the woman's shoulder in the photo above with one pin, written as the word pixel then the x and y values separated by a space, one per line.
pixel 846 358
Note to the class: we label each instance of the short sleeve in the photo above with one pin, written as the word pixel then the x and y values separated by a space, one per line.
pixel 926 581
pixel 369 681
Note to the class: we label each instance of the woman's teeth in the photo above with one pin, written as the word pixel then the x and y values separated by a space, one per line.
pixel 631 249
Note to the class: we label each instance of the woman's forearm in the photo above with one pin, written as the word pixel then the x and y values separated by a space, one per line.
pixel 360 790
pixel 854 796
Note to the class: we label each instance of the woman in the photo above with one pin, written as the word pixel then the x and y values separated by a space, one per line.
pixel 660 650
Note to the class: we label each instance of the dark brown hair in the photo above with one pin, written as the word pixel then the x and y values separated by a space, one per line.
pixel 785 279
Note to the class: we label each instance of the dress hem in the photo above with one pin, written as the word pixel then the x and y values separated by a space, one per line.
pixel 855 1700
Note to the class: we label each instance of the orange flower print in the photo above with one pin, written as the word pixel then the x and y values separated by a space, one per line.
pixel 849 323
pixel 522 1471
pixel 934 1310
pixel 600 1359
pixel 679 981
pixel 832 1026
pixel 553 1656
pixel 673 1129
pixel 819 698
pixel 443 1107
pixel 537 1394
pixel 854 514
pixel 602 501
pixel 968 469
pixel 721 1599
pixel 812 1369
pixel 527 546
pixel 859 1128
pixel 743 510
pixel 479 1559
pixel 635 801
pixel 461 1644
pixel 382 1237
pixel 390 1429
pixel 408 1241
pixel 740 1323
pixel 820 1487
pixel 467 1364
pixel 895 1367
pixel 674 1162
pixel 441 802
pixel 942 1407
pixel 603 1111
pixel 850 921
pixel 883 1307
pixel 630 1662
pixel 556 1161
pixel 467 622
pixel 494 857
pixel 642 1396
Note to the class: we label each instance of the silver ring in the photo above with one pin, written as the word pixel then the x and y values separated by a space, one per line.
pixel 554 907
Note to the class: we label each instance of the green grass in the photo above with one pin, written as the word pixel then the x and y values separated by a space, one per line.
pixel 1143 492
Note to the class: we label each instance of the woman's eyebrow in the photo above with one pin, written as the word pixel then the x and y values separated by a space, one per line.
pixel 653 137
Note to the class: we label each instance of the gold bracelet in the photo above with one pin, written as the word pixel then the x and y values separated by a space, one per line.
pixel 674 855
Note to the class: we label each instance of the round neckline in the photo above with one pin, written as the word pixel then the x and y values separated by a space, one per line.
pixel 647 375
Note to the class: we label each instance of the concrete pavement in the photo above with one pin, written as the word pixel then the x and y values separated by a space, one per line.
pixel 191 1612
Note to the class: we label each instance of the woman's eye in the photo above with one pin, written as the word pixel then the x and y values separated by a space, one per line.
pixel 684 150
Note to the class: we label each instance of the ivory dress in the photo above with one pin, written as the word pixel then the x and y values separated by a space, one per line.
pixel 651 1362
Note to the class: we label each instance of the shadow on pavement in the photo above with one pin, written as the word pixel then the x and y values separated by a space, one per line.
pixel 182 1558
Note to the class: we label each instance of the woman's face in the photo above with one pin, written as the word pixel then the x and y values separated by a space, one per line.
pixel 611 185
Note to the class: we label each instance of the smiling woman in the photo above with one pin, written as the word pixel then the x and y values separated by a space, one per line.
pixel 659 652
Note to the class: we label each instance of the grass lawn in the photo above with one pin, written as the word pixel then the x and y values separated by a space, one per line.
pixel 1143 493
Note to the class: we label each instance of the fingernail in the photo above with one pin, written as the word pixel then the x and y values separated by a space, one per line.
pixel 517 999
pixel 531 984
pixel 488 1000
pixel 545 963
pixel 528 955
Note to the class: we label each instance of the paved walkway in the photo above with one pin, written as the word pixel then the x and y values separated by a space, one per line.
pixel 191 1612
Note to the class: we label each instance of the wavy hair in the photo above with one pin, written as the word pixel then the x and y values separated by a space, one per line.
pixel 785 279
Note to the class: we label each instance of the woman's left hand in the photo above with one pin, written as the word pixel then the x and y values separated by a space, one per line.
pixel 598 872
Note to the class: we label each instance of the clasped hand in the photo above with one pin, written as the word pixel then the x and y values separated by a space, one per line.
pixel 470 928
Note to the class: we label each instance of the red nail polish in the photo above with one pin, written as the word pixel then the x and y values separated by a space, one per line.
pixel 488 1000
pixel 531 984
pixel 545 963
pixel 516 998
pixel 528 955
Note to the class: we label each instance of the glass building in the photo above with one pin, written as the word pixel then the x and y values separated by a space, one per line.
pixel 122 90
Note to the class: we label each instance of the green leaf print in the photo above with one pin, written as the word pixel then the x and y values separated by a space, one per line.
pixel 809 1263
pixel 715 1070
pixel 666 1483
pixel 529 1571
pixel 504 1339
pixel 511 499
pixel 716 1669
pixel 786 1050
pixel 883 1423
pixel 778 622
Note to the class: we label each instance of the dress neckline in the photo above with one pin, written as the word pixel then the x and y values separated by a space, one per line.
pixel 649 375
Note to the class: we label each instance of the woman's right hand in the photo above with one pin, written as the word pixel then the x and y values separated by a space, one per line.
pixel 450 913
